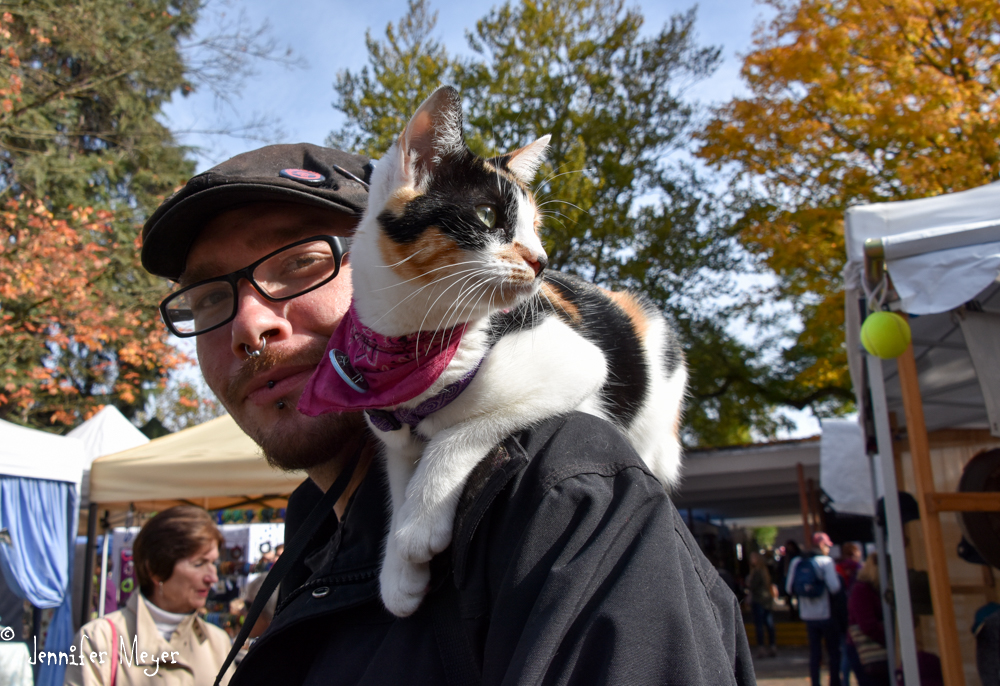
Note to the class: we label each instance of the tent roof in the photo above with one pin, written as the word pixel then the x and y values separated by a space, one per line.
pixel 39 454
pixel 940 252
pixel 209 460
pixel 107 432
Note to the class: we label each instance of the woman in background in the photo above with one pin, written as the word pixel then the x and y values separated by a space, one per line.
pixel 762 604
pixel 174 556
pixel 865 628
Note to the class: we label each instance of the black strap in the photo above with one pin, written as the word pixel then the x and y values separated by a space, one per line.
pixel 293 551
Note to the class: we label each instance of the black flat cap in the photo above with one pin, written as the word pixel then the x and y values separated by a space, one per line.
pixel 300 173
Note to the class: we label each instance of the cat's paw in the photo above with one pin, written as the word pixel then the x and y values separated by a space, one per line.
pixel 403 585
pixel 423 534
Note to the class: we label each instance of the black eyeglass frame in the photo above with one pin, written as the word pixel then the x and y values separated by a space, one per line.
pixel 337 247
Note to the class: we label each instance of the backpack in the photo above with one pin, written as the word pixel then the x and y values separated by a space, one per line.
pixel 808 582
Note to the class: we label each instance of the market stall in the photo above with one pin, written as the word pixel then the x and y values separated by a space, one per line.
pixel 40 477
pixel 213 465
pixel 935 407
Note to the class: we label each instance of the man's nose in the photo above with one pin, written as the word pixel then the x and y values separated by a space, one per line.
pixel 257 319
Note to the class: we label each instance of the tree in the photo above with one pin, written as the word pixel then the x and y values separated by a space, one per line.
pixel 852 102
pixel 405 69
pixel 83 161
pixel 74 321
pixel 618 212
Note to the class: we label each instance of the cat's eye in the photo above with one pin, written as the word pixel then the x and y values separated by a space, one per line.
pixel 487 215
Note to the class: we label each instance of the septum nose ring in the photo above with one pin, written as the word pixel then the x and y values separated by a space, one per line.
pixel 256 353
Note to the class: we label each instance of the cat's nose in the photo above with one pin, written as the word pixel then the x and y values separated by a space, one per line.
pixel 538 263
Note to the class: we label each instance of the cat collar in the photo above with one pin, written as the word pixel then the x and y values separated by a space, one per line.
pixel 391 420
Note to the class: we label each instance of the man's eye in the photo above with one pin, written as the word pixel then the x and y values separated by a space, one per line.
pixel 487 215
pixel 304 262
pixel 211 299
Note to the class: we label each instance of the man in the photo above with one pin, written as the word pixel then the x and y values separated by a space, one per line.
pixel 812 577
pixel 568 565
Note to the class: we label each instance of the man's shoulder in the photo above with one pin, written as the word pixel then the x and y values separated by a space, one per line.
pixel 578 443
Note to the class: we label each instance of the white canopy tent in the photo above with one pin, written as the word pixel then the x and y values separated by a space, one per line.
pixel 37 454
pixel 942 257
pixel 105 433
pixel 30 455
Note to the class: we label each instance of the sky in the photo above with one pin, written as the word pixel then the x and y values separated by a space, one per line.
pixel 330 36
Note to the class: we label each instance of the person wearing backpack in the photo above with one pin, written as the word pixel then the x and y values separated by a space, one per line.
pixel 812 577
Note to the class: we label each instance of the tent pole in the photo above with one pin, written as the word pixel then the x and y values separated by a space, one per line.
pixel 894 522
pixel 883 568
pixel 937 566
pixel 102 593
pixel 88 564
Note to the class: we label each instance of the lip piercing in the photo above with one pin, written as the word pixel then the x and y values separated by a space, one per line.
pixel 256 353
pixel 270 384
pixel 280 404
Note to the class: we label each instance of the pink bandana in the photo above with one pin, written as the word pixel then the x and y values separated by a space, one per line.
pixel 364 370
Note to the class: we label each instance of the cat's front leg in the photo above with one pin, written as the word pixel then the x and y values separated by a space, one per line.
pixel 425 522
pixel 528 376
pixel 402 584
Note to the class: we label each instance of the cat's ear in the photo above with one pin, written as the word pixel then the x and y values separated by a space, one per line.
pixel 523 163
pixel 434 131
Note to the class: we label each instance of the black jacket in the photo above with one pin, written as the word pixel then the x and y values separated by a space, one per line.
pixel 569 565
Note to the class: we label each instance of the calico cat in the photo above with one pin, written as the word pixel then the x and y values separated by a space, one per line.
pixel 457 335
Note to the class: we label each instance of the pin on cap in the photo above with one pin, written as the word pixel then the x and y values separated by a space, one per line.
pixel 346 371
pixel 302 176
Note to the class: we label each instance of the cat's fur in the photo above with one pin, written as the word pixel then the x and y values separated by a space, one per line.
pixel 549 343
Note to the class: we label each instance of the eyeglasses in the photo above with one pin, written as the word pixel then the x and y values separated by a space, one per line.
pixel 287 273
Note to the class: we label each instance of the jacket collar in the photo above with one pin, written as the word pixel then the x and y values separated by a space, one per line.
pixel 149 638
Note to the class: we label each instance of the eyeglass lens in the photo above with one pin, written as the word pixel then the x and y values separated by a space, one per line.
pixel 284 275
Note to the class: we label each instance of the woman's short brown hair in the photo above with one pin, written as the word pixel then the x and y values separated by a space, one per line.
pixel 171 535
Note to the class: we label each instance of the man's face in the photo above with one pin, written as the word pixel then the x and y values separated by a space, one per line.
pixel 261 393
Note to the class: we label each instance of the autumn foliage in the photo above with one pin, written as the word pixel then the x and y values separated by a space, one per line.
pixel 82 161
pixel 94 349
pixel 853 101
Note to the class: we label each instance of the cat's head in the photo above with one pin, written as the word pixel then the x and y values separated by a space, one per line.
pixel 448 237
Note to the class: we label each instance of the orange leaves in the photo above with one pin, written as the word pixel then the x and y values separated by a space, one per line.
pixel 67 347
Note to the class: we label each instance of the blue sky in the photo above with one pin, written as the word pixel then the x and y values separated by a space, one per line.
pixel 330 37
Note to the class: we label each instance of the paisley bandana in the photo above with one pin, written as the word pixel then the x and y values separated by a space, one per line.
pixel 364 370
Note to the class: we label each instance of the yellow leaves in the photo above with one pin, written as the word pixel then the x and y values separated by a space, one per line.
pixel 854 101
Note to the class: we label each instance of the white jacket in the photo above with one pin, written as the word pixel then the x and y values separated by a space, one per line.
pixel 816 609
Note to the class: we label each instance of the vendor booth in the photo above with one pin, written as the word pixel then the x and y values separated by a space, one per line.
pixel 932 414
pixel 213 465
pixel 40 477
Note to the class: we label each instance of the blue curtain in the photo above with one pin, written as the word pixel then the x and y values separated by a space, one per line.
pixel 41 517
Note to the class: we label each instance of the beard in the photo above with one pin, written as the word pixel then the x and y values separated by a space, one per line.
pixel 298 449
pixel 289 440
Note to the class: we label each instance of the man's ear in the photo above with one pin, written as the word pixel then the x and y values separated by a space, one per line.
pixel 524 162
pixel 434 131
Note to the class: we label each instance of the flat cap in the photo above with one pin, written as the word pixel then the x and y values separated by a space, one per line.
pixel 299 173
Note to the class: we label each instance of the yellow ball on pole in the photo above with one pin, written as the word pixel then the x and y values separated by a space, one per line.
pixel 885 335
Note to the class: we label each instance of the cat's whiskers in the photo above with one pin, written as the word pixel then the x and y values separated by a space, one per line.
pixel 405 259
pixel 466 293
pixel 473 307
pixel 564 202
pixel 553 176
pixel 418 291
pixel 431 308
pixel 424 274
